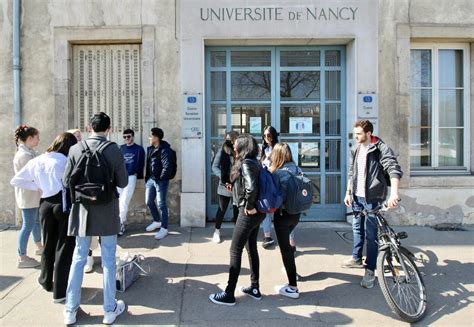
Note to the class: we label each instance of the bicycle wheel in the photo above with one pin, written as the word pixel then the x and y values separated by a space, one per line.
pixel 404 291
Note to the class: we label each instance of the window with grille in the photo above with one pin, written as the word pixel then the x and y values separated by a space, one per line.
pixel 107 78
pixel 439 123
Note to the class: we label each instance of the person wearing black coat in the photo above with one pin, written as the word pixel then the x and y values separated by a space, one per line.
pixel 157 176
pixel 245 184
pixel 221 166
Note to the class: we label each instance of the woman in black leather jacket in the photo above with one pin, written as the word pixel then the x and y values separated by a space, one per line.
pixel 244 177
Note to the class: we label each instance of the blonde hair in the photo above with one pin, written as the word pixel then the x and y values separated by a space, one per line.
pixel 74 130
pixel 281 154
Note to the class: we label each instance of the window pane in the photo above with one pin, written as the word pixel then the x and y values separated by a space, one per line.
pixel 299 58
pixel 218 86
pixel 333 119
pixel 451 149
pixel 300 119
pixel 250 119
pixel 333 155
pixel 420 68
pixel 251 58
pixel 450 68
pixel 218 59
pixel 333 189
pixel 218 120
pixel 333 85
pixel 420 107
pixel 420 147
pixel 333 58
pixel 309 156
pixel 451 108
pixel 300 85
pixel 316 181
pixel 251 86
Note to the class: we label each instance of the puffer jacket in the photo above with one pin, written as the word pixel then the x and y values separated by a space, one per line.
pixel 245 188
pixel 380 158
pixel 158 163
pixel 283 175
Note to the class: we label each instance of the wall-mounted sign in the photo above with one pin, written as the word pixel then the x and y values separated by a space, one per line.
pixel 191 125
pixel 367 105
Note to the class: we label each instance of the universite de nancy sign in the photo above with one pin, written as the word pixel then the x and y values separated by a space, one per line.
pixel 260 14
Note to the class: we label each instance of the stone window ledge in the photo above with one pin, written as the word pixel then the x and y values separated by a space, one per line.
pixel 465 181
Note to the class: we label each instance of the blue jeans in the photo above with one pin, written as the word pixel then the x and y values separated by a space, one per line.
pixel 108 246
pixel 267 223
pixel 158 189
pixel 364 227
pixel 30 224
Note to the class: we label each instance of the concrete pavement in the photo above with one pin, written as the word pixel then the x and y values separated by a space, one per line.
pixel 186 267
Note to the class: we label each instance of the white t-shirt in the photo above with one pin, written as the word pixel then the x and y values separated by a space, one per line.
pixel 361 170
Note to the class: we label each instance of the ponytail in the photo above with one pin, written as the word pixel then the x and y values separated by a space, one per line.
pixel 22 132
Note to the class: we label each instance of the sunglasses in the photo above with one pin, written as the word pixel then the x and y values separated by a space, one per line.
pixel 127 137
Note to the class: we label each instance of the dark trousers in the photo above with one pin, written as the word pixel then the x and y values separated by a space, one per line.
pixel 223 204
pixel 58 247
pixel 284 224
pixel 245 235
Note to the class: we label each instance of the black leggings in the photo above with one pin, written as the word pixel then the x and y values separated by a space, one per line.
pixel 58 247
pixel 223 204
pixel 245 235
pixel 284 224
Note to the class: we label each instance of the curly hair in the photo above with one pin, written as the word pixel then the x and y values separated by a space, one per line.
pixel 22 132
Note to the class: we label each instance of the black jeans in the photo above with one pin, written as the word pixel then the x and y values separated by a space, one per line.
pixel 284 224
pixel 58 247
pixel 245 235
pixel 223 204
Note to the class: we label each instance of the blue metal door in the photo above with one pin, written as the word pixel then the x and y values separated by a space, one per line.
pixel 298 90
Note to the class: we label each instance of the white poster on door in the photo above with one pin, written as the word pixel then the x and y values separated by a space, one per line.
pixel 255 125
pixel 301 125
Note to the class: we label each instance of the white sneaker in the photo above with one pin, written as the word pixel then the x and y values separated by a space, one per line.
pixel 69 317
pixel 89 264
pixel 216 238
pixel 154 225
pixel 288 291
pixel 161 233
pixel 109 317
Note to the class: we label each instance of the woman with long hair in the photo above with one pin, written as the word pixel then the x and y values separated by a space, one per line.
pixel 221 166
pixel 244 177
pixel 282 167
pixel 270 138
pixel 26 139
pixel 45 173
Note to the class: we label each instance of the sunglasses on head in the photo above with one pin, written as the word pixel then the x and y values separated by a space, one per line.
pixel 127 137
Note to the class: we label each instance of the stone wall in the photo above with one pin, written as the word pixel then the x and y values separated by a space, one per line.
pixel 48 28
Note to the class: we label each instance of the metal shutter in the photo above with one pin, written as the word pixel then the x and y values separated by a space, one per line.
pixel 107 78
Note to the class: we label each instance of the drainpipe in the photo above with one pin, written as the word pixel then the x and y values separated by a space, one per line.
pixel 16 64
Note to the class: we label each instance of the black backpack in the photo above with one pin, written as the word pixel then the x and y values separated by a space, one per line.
pixel 90 181
pixel 173 163
pixel 299 197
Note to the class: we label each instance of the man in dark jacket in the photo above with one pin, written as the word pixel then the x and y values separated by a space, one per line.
pixel 87 220
pixel 366 189
pixel 159 170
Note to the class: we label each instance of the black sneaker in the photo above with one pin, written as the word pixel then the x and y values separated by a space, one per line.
pixel 222 298
pixel 251 291
pixel 122 230
pixel 267 242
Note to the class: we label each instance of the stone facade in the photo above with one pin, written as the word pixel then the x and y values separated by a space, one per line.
pixel 172 49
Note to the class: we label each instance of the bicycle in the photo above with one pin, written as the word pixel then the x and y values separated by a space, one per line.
pixel 399 278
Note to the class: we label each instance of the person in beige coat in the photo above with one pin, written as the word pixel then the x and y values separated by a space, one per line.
pixel 26 139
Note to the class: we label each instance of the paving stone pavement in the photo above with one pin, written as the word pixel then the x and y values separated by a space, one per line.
pixel 186 267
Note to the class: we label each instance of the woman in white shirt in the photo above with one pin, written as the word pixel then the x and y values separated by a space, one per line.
pixel 27 138
pixel 45 173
